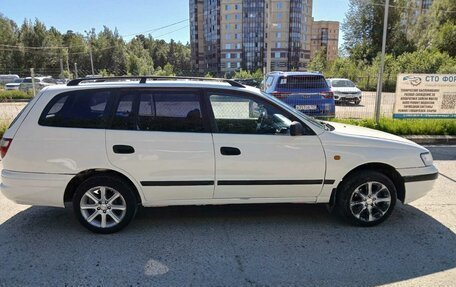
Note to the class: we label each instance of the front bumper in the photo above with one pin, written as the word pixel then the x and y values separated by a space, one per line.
pixel 34 188
pixel 418 181
pixel 346 97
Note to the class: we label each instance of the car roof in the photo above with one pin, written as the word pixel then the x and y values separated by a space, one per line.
pixel 295 73
pixel 154 84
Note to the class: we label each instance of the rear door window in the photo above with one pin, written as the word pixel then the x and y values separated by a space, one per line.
pixel 151 110
pixel 77 109
pixel 302 82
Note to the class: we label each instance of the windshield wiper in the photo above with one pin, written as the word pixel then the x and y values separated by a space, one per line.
pixel 327 126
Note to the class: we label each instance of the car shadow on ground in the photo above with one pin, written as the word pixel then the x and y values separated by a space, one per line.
pixel 236 245
pixel 348 104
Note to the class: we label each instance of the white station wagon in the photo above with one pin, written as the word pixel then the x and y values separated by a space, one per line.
pixel 106 146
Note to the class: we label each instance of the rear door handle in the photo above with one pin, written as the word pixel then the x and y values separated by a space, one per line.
pixel 123 149
pixel 226 150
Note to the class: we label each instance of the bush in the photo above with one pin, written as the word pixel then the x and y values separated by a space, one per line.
pixel 3 127
pixel 15 94
pixel 407 126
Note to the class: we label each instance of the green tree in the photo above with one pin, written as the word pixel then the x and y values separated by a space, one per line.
pixel 437 29
pixel 318 61
pixel 363 30
pixel 168 70
pixel 139 61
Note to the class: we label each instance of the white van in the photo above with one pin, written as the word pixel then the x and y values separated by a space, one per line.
pixel 9 78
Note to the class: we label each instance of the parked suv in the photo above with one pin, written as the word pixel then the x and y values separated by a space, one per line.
pixel 106 147
pixel 306 92
pixel 345 91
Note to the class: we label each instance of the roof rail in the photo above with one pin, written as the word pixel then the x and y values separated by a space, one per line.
pixel 143 79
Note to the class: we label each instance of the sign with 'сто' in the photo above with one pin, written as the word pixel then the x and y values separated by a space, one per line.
pixel 425 96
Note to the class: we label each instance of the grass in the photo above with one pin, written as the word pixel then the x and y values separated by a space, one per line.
pixel 407 126
pixel 14 95
pixel 3 127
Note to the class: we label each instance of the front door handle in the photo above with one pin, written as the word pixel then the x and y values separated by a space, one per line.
pixel 226 150
pixel 123 149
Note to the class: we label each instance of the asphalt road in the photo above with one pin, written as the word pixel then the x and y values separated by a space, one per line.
pixel 247 245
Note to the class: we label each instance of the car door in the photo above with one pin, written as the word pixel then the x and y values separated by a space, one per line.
pixel 256 157
pixel 160 138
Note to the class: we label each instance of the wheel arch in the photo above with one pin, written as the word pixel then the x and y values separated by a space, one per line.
pixel 383 168
pixel 83 175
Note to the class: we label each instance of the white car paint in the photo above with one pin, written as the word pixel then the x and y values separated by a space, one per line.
pixel 41 160
pixel 347 93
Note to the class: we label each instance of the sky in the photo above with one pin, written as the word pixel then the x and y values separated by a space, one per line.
pixel 130 17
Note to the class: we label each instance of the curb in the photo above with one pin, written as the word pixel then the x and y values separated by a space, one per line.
pixel 432 140
pixel 12 101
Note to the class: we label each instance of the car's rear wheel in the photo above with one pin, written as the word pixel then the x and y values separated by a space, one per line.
pixel 366 198
pixel 104 204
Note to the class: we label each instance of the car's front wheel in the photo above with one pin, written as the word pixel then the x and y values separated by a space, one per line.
pixel 104 204
pixel 357 101
pixel 366 198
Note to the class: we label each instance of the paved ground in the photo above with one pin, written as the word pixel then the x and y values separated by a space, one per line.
pixel 366 108
pixel 250 245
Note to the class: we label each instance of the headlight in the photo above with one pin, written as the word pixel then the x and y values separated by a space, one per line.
pixel 427 158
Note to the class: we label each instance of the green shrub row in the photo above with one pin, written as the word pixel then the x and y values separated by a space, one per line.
pixel 15 94
pixel 407 126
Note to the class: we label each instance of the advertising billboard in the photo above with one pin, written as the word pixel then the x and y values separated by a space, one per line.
pixel 425 96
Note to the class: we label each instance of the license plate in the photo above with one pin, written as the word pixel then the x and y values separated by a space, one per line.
pixel 306 107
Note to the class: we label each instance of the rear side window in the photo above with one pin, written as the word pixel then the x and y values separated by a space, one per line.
pixel 302 82
pixel 159 111
pixel 78 109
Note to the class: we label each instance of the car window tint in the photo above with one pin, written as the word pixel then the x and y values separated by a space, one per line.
pixel 171 111
pixel 239 115
pixel 149 110
pixel 123 118
pixel 302 82
pixel 79 109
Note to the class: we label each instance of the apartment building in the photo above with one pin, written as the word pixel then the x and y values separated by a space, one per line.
pixel 227 35
pixel 325 35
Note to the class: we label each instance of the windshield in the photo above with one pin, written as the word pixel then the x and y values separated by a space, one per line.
pixel 302 82
pixel 342 84
pixel 294 111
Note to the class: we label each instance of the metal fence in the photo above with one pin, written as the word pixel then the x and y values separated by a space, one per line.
pixel 9 108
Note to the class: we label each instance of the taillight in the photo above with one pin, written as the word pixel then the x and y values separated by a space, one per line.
pixel 4 146
pixel 327 95
pixel 280 95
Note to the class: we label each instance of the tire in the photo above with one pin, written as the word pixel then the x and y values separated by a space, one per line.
pixel 356 205
pixel 357 101
pixel 117 206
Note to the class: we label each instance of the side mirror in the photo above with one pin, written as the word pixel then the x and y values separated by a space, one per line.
pixel 296 129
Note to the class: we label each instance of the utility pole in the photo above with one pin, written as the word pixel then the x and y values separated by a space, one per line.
pixel 32 73
pixel 67 60
pixel 91 59
pixel 382 65
pixel 269 37
pixel 61 68
pixel 76 70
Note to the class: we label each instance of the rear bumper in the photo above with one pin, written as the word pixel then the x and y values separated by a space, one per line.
pixel 418 181
pixel 34 188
